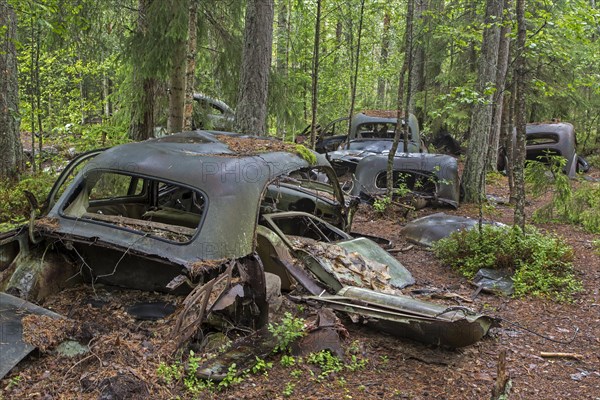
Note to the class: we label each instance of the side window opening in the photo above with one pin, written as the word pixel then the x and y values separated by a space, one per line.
pixel 155 208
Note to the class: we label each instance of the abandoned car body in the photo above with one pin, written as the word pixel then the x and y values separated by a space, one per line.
pixel 552 139
pixel 372 132
pixel 207 216
pixel 433 177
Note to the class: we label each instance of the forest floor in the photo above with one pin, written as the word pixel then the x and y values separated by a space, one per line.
pixel 125 354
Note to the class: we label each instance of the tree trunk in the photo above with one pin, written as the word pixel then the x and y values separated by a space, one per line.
pixel 356 64
pixel 473 178
pixel 315 78
pixel 142 122
pixel 400 114
pixel 190 71
pixel 10 140
pixel 520 118
pixel 251 109
pixel 383 60
pixel 177 87
pixel 417 67
pixel 282 59
pixel 503 55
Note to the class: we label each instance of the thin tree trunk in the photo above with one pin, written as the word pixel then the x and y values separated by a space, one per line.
pixel 385 50
pixel 356 64
pixel 10 140
pixel 410 18
pixel 400 114
pixel 503 58
pixel 190 72
pixel 473 178
pixel 417 66
pixel 282 59
pixel 251 110
pixel 315 78
pixel 520 117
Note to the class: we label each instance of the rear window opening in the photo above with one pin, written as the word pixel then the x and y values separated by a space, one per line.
pixel 541 139
pixel 380 130
pixel 151 207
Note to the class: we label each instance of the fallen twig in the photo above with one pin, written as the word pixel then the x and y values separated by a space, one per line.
pixel 561 355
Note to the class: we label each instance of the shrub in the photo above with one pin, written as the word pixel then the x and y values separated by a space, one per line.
pixel 578 207
pixel 542 264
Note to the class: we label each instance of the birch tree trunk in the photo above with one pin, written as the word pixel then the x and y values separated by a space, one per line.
pixel 251 108
pixel 10 140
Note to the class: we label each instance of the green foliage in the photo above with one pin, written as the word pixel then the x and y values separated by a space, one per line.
pixel 542 264
pixel 286 332
pixel 327 362
pixel 580 206
pixel 380 205
pixel 170 372
pixel 262 366
pixel 15 208
pixel 287 360
pixel 289 389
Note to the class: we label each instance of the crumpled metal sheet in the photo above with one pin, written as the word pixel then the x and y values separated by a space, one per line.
pixel 358 262
pixel 406 317
pixel 427 230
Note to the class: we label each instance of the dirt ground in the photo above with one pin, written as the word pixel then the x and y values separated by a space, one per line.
pixel 125 353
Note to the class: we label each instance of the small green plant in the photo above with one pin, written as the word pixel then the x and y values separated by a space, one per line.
pixel 287 361
pixel 286 332
pixel 231 378
pixel 381 204
pixel 289 389
pixel 262 366
pixel 14 381
pixel 542 264
pixel 356 363
pixel 297 373
pixel 170 373
pixel 328 363
pixel 596 244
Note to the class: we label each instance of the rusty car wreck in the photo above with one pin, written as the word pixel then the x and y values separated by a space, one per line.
pixel 208 218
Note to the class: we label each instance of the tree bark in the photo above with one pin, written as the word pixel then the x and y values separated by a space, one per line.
pixel 190 71
pixel 177 86
pixel 520 118
pixel 503 56
pixel 142 123
pixel 315 78
pixel 356 64
pixel 10 140
pixel 383 60
pixel 282 59
pixel 251 108
pixel 473 178
pixel 400 114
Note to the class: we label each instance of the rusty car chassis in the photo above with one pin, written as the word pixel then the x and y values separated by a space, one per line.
pixel 208 216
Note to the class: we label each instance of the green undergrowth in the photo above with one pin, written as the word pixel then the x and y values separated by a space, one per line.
pixel 15 209
pixel 542 264
pixel 321 367
pixel 577 206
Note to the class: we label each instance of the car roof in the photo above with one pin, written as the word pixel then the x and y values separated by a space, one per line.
pixel 231 170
